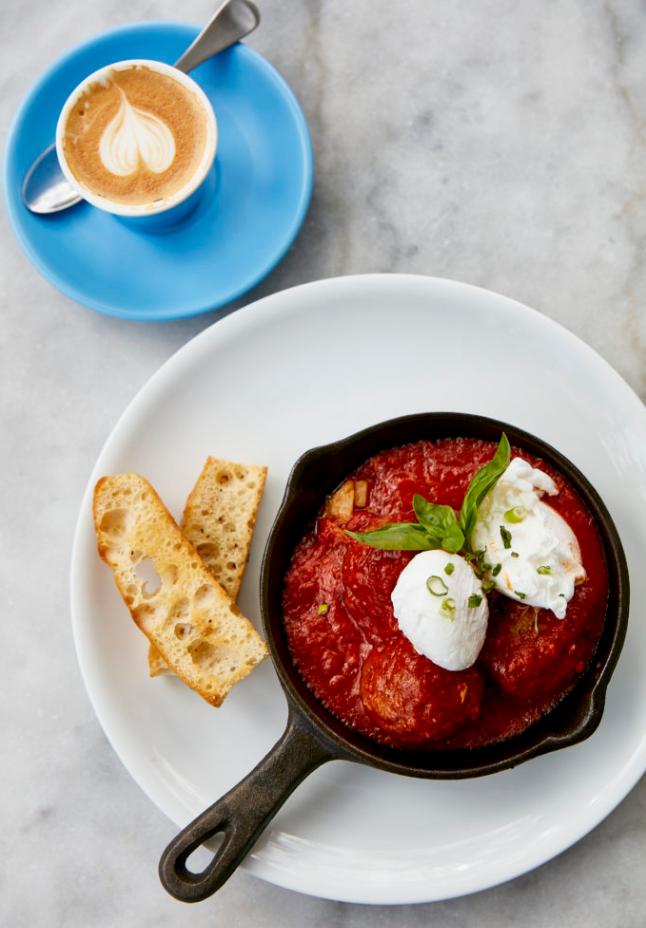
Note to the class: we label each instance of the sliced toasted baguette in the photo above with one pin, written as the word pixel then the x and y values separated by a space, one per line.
pixel 218 520
pixel 183 610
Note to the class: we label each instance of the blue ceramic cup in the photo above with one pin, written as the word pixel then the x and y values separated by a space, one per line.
pixel 163 211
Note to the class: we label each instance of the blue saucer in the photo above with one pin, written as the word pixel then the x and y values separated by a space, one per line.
pixel 254 204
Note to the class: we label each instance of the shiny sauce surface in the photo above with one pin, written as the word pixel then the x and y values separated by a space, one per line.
pixel 347 646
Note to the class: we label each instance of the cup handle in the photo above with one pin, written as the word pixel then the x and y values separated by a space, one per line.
pixel 242 814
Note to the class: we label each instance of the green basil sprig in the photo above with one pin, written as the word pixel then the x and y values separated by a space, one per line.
pixel 438 526
pixel 396 536
pixel 482 482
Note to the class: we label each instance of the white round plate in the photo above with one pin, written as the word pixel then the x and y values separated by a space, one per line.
pixel 299 369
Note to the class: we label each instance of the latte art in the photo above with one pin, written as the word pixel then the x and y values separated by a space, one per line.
pixel 137 135
pixel 134 136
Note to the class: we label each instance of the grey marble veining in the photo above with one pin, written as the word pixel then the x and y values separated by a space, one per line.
pixel 497 142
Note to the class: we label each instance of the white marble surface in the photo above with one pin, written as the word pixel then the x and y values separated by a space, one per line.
pixel 497 142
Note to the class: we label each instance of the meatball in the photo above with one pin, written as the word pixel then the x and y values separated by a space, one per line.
pixel 412 698
pixel 529 652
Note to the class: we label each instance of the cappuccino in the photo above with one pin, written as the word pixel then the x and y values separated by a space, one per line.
pixel 137 136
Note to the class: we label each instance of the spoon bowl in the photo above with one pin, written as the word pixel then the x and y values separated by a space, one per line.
pixel 45 188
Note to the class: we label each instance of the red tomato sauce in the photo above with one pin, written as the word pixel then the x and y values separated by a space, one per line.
pixel 347 646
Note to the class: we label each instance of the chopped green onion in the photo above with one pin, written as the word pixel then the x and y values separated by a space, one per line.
pixel 448 608
pixel 437 586
pixel 323 608
pixel 496 570
pixel 474 601
pixel 514 554
pixel 520 595
pixel 488 586
pixel 449 569
pixel 515 514
pixel 505 534
pixel 545 569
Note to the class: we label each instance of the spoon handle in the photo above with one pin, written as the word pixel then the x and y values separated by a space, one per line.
pixel 232 21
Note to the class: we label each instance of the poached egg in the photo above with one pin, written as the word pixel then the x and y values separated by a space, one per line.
pixel 441 608
pixel 534 554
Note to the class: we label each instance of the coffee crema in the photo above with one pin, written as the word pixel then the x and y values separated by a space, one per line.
pixel 136 136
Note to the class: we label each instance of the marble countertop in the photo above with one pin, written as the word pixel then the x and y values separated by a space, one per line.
pixel 496 142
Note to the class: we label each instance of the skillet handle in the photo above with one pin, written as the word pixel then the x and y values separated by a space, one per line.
pixel 242 814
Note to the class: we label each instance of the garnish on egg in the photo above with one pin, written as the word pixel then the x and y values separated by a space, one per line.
pixel 447 608
pixel 437 586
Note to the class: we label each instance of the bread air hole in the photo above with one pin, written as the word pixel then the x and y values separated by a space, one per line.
pixel 183 630
pixel 207 550
pixel 223 478
pixel 116 522
pixel 147 615
pixel 170 574
pixel 181 610
pixel 205 596
pixel 150 579
pixel 202 653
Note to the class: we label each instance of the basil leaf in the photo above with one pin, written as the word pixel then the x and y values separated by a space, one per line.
pixel 441 524
pixel 434 518
pixel 453 539
pixel 397 536
pixel 481 483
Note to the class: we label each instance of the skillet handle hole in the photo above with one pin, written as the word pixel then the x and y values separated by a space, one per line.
pixel 198 861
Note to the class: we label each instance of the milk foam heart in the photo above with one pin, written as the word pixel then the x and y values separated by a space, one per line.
pixel 133 136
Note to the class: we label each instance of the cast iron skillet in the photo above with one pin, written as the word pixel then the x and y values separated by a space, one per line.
pixel 313 735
